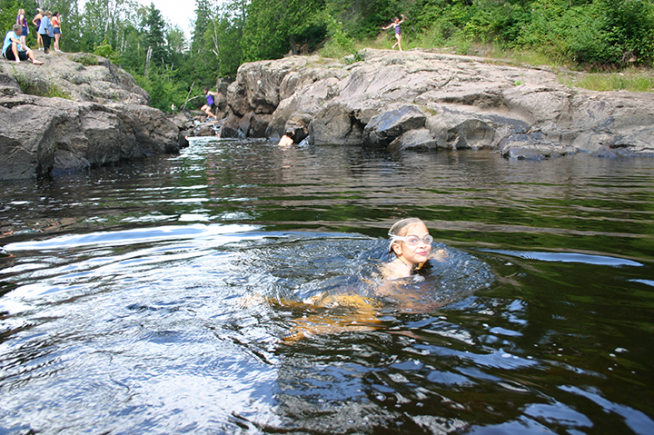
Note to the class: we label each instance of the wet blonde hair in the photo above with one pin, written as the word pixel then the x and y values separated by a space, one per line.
pixel 398 227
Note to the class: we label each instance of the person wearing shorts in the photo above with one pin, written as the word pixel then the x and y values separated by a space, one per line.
pixel 22 22
pixel 211 104
pixel 56 29
pixel 12 48
pixel 37 22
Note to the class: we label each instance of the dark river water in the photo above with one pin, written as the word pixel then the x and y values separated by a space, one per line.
pixel 165 296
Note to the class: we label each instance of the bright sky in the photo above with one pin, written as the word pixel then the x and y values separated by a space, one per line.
pixel 176 12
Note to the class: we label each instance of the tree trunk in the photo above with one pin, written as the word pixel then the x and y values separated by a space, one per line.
pixel 291 39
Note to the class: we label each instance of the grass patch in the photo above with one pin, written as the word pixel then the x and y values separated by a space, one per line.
pixel 628 80
pixel 40 88
pixel 87 59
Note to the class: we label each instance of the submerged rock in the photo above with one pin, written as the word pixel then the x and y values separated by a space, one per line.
pixel 75 112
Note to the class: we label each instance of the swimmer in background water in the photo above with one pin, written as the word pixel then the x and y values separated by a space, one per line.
pixel 398 31
pixel 287 139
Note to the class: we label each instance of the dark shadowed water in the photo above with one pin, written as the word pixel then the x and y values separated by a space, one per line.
pixel 161 296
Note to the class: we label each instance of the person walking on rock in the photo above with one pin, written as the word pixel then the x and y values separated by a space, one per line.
pixel 398 30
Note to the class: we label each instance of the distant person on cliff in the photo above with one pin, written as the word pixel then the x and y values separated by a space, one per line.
pixel 46 31
pixel 56 29
pixel 12 48
pixel 398 30
pixel 22 22
pixel 287 139
pixel 37 22
pixel 211 104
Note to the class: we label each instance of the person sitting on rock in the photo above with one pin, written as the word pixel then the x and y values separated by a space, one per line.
pixel 211 104
pixel 287 139
pixel 12 48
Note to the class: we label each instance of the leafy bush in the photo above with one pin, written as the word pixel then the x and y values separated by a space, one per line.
pixel 339 44
pixel 164 90
pixel 105 50
pixel 87 59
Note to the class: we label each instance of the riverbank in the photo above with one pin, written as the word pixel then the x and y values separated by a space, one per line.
pixel 426 100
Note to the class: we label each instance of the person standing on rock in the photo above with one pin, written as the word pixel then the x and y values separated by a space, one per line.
pixel 37 22
pixel 398 31
pixel 56 29
pixel 12 48
pixel 46 31
pixel 22 22
pixel 211 104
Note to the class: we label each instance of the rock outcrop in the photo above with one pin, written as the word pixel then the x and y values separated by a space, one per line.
pixel 422 99
pixel 74 112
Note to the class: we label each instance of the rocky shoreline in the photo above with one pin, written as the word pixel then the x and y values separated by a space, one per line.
pixel 80 111
pixel 75 112
pixel 422 99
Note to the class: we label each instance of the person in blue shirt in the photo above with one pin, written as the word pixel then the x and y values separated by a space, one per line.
pixel 46 31
pixel 12 48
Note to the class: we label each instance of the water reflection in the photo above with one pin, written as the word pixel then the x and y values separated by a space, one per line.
pixel 122 310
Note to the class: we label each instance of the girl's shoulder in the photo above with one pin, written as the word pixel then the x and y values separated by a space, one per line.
pixel 394 270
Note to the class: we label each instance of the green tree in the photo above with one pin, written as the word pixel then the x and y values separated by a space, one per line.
pixel 9 12
pixel 275 27
pixel 203 12
pixel 154 36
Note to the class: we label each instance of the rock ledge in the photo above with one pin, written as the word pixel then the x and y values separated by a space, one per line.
pixel 421 99
pixel 65 117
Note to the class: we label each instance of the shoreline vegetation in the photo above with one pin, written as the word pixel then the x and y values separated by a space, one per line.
pixel 601 45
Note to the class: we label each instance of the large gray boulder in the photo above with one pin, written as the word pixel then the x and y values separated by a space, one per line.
pixel 335 125
pixel 387 126
pixel 465 102
pixel 66 117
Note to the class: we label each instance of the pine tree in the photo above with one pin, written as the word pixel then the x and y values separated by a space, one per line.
pixel 154 37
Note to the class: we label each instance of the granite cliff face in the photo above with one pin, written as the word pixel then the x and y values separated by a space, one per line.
pixel 67 116
pixel 420 99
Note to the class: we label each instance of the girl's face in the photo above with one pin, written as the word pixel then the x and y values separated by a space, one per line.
pixel 418 253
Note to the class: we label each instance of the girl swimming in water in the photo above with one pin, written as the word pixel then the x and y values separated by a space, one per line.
pixel 359 306
pixel 411 245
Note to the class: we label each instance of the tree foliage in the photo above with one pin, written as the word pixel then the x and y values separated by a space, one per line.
pixel 228 32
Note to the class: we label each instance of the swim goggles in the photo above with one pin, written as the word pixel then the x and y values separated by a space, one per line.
pixel 412 240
